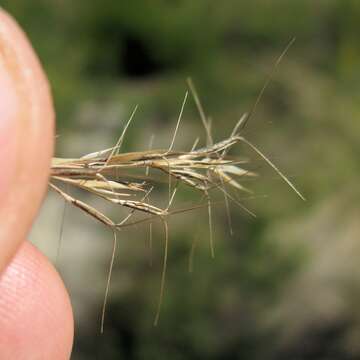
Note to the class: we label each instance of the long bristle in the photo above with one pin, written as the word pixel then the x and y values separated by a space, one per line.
pixel 108 175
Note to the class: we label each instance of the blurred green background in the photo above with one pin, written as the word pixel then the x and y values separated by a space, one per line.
pixel 286 285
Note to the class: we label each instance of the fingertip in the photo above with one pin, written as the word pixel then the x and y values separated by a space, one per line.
pixel 26 135
pixel 36 319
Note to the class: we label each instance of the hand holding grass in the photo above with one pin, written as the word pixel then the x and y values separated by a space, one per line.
pixel 36 319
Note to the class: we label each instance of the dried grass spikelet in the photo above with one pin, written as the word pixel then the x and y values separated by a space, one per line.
pixel 106 175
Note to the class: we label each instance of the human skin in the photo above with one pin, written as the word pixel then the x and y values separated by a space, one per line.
pixel 36 320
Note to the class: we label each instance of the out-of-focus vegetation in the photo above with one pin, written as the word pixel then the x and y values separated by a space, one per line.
pixel 286 284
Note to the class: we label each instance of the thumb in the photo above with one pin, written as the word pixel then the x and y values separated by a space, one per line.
pixel 26 136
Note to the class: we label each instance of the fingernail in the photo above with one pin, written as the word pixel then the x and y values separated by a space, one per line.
pixel 9 105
